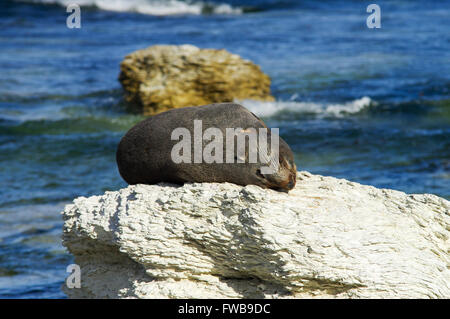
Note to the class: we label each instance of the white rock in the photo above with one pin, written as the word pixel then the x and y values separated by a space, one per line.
pixel 327 238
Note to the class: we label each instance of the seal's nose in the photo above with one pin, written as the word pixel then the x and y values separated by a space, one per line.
pixel 291 184
pixel 292 181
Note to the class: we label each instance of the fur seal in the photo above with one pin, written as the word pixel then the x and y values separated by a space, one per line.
pixel 145 154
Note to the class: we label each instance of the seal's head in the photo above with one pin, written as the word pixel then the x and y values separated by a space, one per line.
pixel 285 177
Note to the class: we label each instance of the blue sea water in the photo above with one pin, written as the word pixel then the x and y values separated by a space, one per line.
pixel 368 105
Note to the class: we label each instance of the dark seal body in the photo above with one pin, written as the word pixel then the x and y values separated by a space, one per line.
pixel 144 155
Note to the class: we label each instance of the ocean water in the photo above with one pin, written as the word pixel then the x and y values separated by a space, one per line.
pixel 368 105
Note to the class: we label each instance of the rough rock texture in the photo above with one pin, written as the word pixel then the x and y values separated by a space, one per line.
pixel 327 238
pixel 162 77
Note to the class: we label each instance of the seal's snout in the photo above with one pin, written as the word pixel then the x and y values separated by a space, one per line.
pixel 291 183
pixel 291 180
pixel 290 171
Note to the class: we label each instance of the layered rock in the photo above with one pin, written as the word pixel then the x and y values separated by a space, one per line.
pixel 327 238
pixel 162 77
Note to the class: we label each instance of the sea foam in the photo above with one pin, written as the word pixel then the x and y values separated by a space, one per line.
pixel 267 109
pixel 151 7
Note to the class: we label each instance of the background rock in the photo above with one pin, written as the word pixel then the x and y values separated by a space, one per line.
pixel 162 77
pixel 327 238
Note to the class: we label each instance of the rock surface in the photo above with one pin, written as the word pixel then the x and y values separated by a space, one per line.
pixel 327 238
pixel 162 77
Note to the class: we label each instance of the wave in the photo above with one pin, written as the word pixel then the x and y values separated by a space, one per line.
pixel 267 109
pixel 109 107
pixel 151 7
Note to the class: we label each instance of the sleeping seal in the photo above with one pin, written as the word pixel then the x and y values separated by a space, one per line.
pixel 210 143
